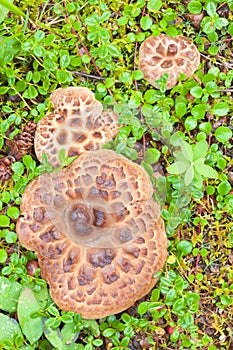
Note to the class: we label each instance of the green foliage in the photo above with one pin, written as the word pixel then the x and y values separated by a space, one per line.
pixel 178 302
pixel 31 326
pixel 10 330
pixel 7 5
pixel 190 162
pixel 4 10
pixel 9 294
pixel 95 44
pixel 223 134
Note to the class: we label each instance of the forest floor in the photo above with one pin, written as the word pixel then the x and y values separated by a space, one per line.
pixel 45 45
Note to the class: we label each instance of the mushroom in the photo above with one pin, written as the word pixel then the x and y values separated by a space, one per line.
pixel 77 124
pixel 163 54
pixel 97 233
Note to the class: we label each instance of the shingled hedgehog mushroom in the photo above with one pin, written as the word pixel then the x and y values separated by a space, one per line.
pixel 96 231
pixel 77 124
pixel 163 54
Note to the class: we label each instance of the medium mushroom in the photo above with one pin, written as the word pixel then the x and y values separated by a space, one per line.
pixel 163 54
pixel 77 124
pixel 96 231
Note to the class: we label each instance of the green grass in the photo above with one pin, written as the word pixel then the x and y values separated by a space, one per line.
pixel 95 44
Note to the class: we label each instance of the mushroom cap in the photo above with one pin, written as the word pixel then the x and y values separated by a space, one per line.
pixel 96 231
pixel 163 54
pixel 77 124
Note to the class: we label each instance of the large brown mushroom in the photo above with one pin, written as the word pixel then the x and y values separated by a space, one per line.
pixel 163 54
pixel 96 231
pixel 77 124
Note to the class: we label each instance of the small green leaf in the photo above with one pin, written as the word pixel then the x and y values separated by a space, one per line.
pixel 113 50
pixel 62 155
pixel 64 61
pixel 176 138
pixel 93 326
pixel 31 92
pixel 147 306
pixel 53 310
pixel 211 8
pixel 9 329
pixel 178 167
pixel 69 332
pixel 62 76
pixel 27 305
pixel 152 155
pixel 190 123
pixel 54 337
pixel 137 74
pixel 224 188
pixel 148 168
pixel 3 256
pixel 230 29
pixel 67 318
pixel 98 342
pixel 210 190
pixel 206 170
pixel 50 65
pixel 220 109
pixel 3 89
pixel 85 58
pixel 200 150
pixel 154 5
pixel 52 322
pixel 213 49
pixel 196 91
pixel 109 332
pixel 223 134
pixel 122 21
pixel 220 22
pixel 146 22
pixel 195 7
pixel 4 221
pixel 151 96
pixel 221 163
pixel 28 161
pixel 130 153
pixel 39 35
pixel 13 212
pixel 186 149
pixel 125 77
pixel 11 237
pixel 205 127
pixel 175 335
pixel 9 294
pixel 184 247
pixel 211 86
pixel 199 110
pixel 189 175
pixel 226 300
pixel 180 109
pixel 18 168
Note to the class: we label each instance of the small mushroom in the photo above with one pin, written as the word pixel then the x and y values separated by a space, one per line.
pixel 77 124
pixel 163 54
pixel 97 233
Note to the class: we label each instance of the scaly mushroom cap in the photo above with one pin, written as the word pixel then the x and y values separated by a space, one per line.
pixel 163 54
pixel 96 231
pixel 77 124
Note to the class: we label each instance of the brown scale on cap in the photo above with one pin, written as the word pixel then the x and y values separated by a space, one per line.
pixel 163 54
pixel 96 231
pixel 77 124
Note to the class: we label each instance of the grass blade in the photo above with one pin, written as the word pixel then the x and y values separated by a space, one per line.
pixel 11 7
